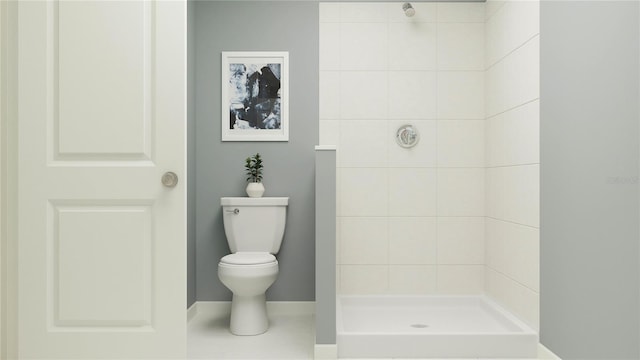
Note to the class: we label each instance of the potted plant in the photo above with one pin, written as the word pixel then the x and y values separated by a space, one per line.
pixel 253 166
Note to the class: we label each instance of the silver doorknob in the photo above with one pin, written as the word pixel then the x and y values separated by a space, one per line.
pixel 169 179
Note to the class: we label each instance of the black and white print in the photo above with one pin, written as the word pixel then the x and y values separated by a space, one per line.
pixel 254 91
pixel 255 96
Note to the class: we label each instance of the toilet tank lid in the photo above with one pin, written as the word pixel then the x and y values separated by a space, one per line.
pixel 247 201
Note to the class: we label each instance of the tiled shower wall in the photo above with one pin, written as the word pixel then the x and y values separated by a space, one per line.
pixel 410 221
pixel 459 213
pixel 513 156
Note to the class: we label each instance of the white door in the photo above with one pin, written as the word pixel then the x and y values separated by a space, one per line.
pixel 102 116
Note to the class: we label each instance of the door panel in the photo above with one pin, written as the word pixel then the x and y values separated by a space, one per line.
pixel 102 115
pixel 90 236
pixel 113 50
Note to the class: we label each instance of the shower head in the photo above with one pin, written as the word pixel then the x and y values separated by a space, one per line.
pixel 408 9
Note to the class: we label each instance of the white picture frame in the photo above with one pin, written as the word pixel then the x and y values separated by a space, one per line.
pixel 255 96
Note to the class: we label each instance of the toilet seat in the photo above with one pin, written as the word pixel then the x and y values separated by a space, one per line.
pixel 248 258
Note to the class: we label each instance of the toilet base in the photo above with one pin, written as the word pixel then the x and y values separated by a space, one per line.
pixel 249 315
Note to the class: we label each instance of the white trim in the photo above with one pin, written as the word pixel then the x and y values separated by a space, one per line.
pixel 326 148
pixel 3 283
pixel 192 311
pixel 8 181
pixel 325 351
pixel 212 307
pixel 273 307
pixel 544 353
pixel 291 307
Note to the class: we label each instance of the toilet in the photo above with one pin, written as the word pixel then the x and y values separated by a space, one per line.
pixel 254 228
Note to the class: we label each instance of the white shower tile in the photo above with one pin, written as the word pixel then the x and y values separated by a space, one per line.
pixel 412 240
pixel 522 18
pixel 461 46
pixel 461 279
pixel 461 192
pixel 515 80
pixel 338 240
pixel 412 46
pixel 527 210
pixel 513 194
pixel 364 192
pixel 518 299
pixel 329 48
pixel 363 46
pixel 412 279
pixel 495 192
pixel 461 240
pixel 513 137
pixel 461 95
pixel 424 154
pixel 461 143
pixel 363 95
pixel 425 12
pixel 363 143
pixel 364 240
pixel 329 12
pixel 329 94
pixel 364 279
pixel 338 277
pixel 460 12
pixel 412 192
pixel 491 7
pixel 338 188
pixel 412 94
pixel 354 12
pixel 329 132
pixel 514 250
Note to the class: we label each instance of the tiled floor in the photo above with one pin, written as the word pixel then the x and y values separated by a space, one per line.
pixel 291 335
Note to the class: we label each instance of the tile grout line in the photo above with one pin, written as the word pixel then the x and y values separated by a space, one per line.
pixel 521 45
pixel 514 280
pixel 513 108
pixel 513 222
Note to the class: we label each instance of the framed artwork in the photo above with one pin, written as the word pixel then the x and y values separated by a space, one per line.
pixel 255 96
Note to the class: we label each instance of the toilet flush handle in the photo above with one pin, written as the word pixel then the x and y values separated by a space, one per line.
pixel 234 211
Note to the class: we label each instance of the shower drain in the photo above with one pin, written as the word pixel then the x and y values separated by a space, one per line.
pixel 419 326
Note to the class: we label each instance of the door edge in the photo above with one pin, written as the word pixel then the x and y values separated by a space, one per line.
pixel 8 180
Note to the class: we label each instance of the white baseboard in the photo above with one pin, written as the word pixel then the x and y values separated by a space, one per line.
pixel 192 311
pixel 291 307
pixel 544 353
pixel 273 307
pixel 325 351
pixel 212 307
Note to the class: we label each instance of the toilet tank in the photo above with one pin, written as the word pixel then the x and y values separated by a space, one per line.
pixel 254 224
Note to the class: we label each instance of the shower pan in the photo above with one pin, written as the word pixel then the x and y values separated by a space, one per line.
pixel 430 327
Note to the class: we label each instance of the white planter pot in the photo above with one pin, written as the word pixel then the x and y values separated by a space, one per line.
pixel 255 190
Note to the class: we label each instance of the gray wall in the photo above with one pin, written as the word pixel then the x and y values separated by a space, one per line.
pixel 191 156
pixel 289 166
pixel 589 179
pixel 325 247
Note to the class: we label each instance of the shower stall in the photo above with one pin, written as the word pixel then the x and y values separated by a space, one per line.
pixel 437 243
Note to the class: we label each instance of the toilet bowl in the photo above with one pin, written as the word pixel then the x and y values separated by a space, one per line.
pixel 248 276
pixel 254 228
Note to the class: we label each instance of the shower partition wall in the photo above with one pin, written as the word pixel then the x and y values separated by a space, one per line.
pixel 458 213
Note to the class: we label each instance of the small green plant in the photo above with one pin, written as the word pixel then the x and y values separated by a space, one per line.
pixel 253 165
